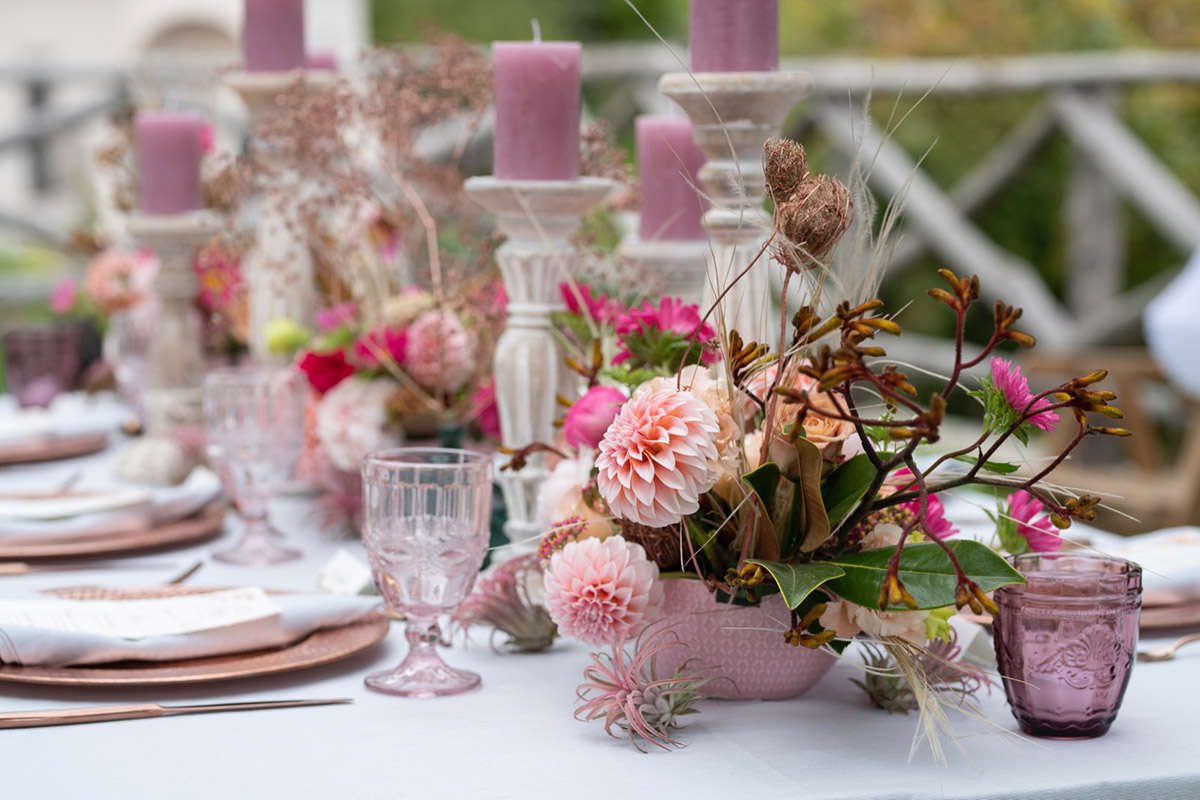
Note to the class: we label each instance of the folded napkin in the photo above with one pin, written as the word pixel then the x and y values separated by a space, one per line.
pixel 69 415
pixel 1170 561
pixel 97 636
pixel 162 505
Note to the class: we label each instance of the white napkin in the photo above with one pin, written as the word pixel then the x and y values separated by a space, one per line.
pixel 1172 327
pixel 69 415
pixel 1170 561
pixel 299 615
pixel 165 504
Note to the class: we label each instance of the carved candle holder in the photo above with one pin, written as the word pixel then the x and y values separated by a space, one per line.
pixel 175 361
pixel 675 268
pixel 745 109
pixel 279 269
pixel 538 219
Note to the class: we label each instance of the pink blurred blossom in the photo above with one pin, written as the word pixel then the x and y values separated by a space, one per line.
pixel 389 341
pixel 62 296
pixel 119 279
pixel 1039 533
pixel 208 138
pixel 936 524
pixel 330 319
pixel 600 308
pixel 439 353
pixel 482 409
pixel 1012 384
pixel 589 417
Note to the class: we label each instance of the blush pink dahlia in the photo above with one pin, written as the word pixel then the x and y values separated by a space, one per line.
pixel 438 352
pixel 1012 384
pixel 1038 533
pixel 658 456
pixel 589 417
pixel 597 589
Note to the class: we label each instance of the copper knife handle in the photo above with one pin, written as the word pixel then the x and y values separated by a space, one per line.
pixel 14 568
pixel 75 716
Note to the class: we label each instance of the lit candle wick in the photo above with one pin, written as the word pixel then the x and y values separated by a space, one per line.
pixel 537 30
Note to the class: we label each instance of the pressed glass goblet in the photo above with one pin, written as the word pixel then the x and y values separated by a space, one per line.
pixel 254 431
pixel 426 513
pixel 40 361
pixel 1065 641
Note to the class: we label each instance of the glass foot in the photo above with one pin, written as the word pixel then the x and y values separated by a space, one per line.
pixel 257 551
pixel 426 680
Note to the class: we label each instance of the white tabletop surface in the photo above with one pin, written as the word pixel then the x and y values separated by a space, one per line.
pixel 516 737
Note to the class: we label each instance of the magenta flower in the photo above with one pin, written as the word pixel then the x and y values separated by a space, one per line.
pixel 671 316
pixel 597 306
pixel 1008 379
pixel 936 524
pixel 483 411
pixel 62 296
pixel 373 346
pixel 658 456
pixel 1039 533
pixel 330 319
pixel 208 138
pixel 589 417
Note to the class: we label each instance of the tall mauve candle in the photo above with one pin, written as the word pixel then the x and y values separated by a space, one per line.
pixel 168 150
pixel 273 35
pixel 667 161
pixel 322 59
pixel 537 110
pixel 733 35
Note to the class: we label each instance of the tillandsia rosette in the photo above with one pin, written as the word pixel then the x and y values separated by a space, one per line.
pixel 792 467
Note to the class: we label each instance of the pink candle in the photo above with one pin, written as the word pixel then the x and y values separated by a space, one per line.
pixel 667 162
pixel 537 110
pixel 273 35
pixel 734 35
pixel 168 149
pixel 320 60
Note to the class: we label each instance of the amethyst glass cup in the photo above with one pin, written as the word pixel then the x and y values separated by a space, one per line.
pixel 1065 641
pixel 40 361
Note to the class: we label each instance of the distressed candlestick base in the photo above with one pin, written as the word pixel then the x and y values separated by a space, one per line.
pixel 538 218
pixel 279 269
pixel 175 363
pixel 676 268
pixel 742 109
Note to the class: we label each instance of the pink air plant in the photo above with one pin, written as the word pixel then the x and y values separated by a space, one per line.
pixel 1012 384
pixel 501 599
pixel 1039 533
pixel 658 456
pixel 597 589
pixel 589 417
pixel 623 689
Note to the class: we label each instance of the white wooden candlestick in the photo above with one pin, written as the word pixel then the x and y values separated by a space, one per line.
pixel 733 114
pixel 175 361
pixel 279 269
pixel 538 218
pixel 670 268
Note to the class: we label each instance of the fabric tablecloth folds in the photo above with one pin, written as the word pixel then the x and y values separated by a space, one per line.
pixel 56 632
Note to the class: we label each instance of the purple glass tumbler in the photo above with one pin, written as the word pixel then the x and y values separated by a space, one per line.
pixel 40 361
pixel 1065 641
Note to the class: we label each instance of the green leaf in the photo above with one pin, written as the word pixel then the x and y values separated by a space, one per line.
pixel 846 485
pixel 925 570
pixel 797 581
pixel 764 482
pixel 999 467
pixel 808 524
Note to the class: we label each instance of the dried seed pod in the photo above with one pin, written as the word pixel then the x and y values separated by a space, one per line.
pixel 785 167
pixel 813 220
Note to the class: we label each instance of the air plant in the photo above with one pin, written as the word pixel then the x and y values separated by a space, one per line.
pixel 623 689
pixel 888 687
pixel 501 599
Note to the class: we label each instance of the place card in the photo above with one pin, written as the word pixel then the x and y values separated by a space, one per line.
pixel 141 619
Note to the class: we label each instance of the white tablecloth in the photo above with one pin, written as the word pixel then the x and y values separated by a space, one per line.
pixel 515 737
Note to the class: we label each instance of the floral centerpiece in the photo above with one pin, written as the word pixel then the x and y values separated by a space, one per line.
pixel 791 475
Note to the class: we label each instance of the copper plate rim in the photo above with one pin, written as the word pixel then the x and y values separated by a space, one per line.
pixel 189 530
pixel 317 649
pixel 53 448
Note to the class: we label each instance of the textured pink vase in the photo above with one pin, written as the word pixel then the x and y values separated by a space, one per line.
pixel 743 645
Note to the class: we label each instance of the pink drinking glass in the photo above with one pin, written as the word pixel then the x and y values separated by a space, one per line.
pixel 426 513
pixel 253 434
pixel 1065 641
pixel 40 361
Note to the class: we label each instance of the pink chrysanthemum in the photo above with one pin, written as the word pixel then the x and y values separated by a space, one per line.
pixel 1039 533
pixel 600 308
pixel 658 456
pixel 439 352
pixel 597 589
pixel 672 315
pixel 936 524
pixel 1012 384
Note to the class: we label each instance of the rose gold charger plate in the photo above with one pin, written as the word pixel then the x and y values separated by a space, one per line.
pixel 200 526
pixel 322 647
pixel 52 448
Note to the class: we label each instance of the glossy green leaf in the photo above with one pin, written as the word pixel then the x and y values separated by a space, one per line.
pixel 797 581
pixel 808 525
pixel 846 485
pixel 925 570
pixel 999 467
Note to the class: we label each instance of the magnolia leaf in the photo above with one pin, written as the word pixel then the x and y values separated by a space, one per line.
pixel 797 581
pixel 925 570
pixel 846 485
pixel 999 467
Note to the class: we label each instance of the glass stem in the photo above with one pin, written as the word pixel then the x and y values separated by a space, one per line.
pixel 423 636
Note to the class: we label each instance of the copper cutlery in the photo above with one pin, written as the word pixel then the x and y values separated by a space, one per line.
pixel 77 716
